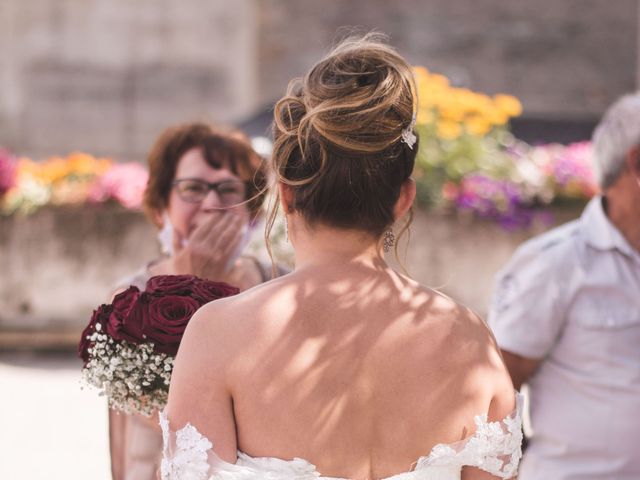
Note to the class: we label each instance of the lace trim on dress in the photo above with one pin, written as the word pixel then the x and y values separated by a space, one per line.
pixel 495 447
pixel 187 459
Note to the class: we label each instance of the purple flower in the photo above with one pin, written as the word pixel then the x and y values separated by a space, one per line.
pixel 488 197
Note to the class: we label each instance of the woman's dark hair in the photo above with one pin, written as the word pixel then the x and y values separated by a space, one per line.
pixel 338 136
pixel 221 148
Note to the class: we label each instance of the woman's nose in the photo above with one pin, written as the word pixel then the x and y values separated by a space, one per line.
pixel 211 200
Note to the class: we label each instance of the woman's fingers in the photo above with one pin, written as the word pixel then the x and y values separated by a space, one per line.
pixel 228 236
pixel 211 223
pixel 178 240
pixel 214 242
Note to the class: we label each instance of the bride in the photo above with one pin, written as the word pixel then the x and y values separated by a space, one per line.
pixel 343 368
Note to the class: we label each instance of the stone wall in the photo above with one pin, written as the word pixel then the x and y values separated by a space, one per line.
pixel 563 58
pixel 60 263
pixel 105 76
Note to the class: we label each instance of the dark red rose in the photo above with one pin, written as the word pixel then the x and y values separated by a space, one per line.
pixel 125 321
pixel 100 316
pixel 205 290
pixel 166 320
pixel 170 284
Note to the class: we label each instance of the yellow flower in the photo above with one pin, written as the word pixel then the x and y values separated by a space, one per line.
pixel 436 80
pixel 102 165
pixel 27 167
pixel 452 112
pixel 478 126
pixel 425 116
pixel 52 170
pixel 420 73
pixel 453 109
pixel 449 130
pixel 81 163
pixel 508 104
pixel 497 117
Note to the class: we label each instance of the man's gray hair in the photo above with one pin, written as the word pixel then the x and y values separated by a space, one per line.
pixel 616 134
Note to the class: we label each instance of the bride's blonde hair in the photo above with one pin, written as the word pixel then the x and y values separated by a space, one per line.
pixel 338 137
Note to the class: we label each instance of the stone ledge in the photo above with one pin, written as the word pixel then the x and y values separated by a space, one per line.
pixel 62 262
pixel 39 339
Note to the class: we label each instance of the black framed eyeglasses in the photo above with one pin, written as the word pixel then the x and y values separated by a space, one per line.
pixel 194 190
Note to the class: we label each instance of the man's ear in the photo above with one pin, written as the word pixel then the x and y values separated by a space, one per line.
pixel 286 197
pixel 405 199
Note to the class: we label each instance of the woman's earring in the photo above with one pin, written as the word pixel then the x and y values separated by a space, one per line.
pixel 389 240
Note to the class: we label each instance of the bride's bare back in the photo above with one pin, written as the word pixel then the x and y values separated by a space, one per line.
pixel 355 369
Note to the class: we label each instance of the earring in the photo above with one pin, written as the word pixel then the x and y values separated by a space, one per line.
pixel 389 240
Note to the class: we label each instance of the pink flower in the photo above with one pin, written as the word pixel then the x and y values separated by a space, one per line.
pixel 8 167
pixel 124 182
pixel 572 170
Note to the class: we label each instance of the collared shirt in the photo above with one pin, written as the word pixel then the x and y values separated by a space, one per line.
pixel 571 297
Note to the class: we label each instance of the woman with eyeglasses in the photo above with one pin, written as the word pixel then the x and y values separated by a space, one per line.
pixel 204 193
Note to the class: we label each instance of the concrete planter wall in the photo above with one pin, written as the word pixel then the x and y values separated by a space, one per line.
pixel 461 255
pixel 59 263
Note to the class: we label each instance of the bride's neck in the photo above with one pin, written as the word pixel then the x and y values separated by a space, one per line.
pixel 326 246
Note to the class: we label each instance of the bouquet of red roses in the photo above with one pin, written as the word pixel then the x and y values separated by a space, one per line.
pixel 129 346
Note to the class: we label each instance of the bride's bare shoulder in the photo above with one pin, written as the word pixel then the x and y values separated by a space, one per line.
pixel 432 306
pixel 236 315
pixel 451 326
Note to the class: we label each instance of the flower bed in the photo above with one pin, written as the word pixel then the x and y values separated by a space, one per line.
pixel 79 178
pixel 470 162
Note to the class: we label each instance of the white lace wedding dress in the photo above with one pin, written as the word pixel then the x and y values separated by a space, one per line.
pixel 494 448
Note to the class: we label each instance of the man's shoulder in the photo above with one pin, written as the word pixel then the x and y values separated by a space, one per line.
pixel 557 242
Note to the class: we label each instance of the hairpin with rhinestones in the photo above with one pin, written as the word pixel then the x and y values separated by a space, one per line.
pixel 408 136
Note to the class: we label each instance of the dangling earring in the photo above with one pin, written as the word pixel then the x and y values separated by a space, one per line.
pixel 389 240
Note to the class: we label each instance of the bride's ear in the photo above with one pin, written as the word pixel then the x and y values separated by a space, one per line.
pixel 405 199
pixel 286 197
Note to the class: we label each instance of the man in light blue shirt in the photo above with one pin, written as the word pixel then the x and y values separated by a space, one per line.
pixel 566 314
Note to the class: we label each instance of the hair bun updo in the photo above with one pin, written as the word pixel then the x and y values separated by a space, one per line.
pixel 338 136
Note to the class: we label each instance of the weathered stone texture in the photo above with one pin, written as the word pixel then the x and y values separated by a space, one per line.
pixel 60 263
pixel 107 75
pixel 563 58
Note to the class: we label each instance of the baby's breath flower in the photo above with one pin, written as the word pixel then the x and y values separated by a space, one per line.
pixel 134 378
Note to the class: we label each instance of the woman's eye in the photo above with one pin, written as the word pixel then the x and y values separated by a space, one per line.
pixel 194 188
pixel 230 189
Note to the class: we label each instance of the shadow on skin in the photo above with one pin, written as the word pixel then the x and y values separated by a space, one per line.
pixel 331 364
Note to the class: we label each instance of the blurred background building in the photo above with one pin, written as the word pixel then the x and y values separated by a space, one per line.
pixel 106 76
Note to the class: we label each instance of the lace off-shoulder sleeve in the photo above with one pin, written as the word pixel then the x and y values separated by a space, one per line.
pixel 185 454
pixel 495 447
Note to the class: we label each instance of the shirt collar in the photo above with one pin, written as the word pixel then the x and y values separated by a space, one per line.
pixel 600 233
